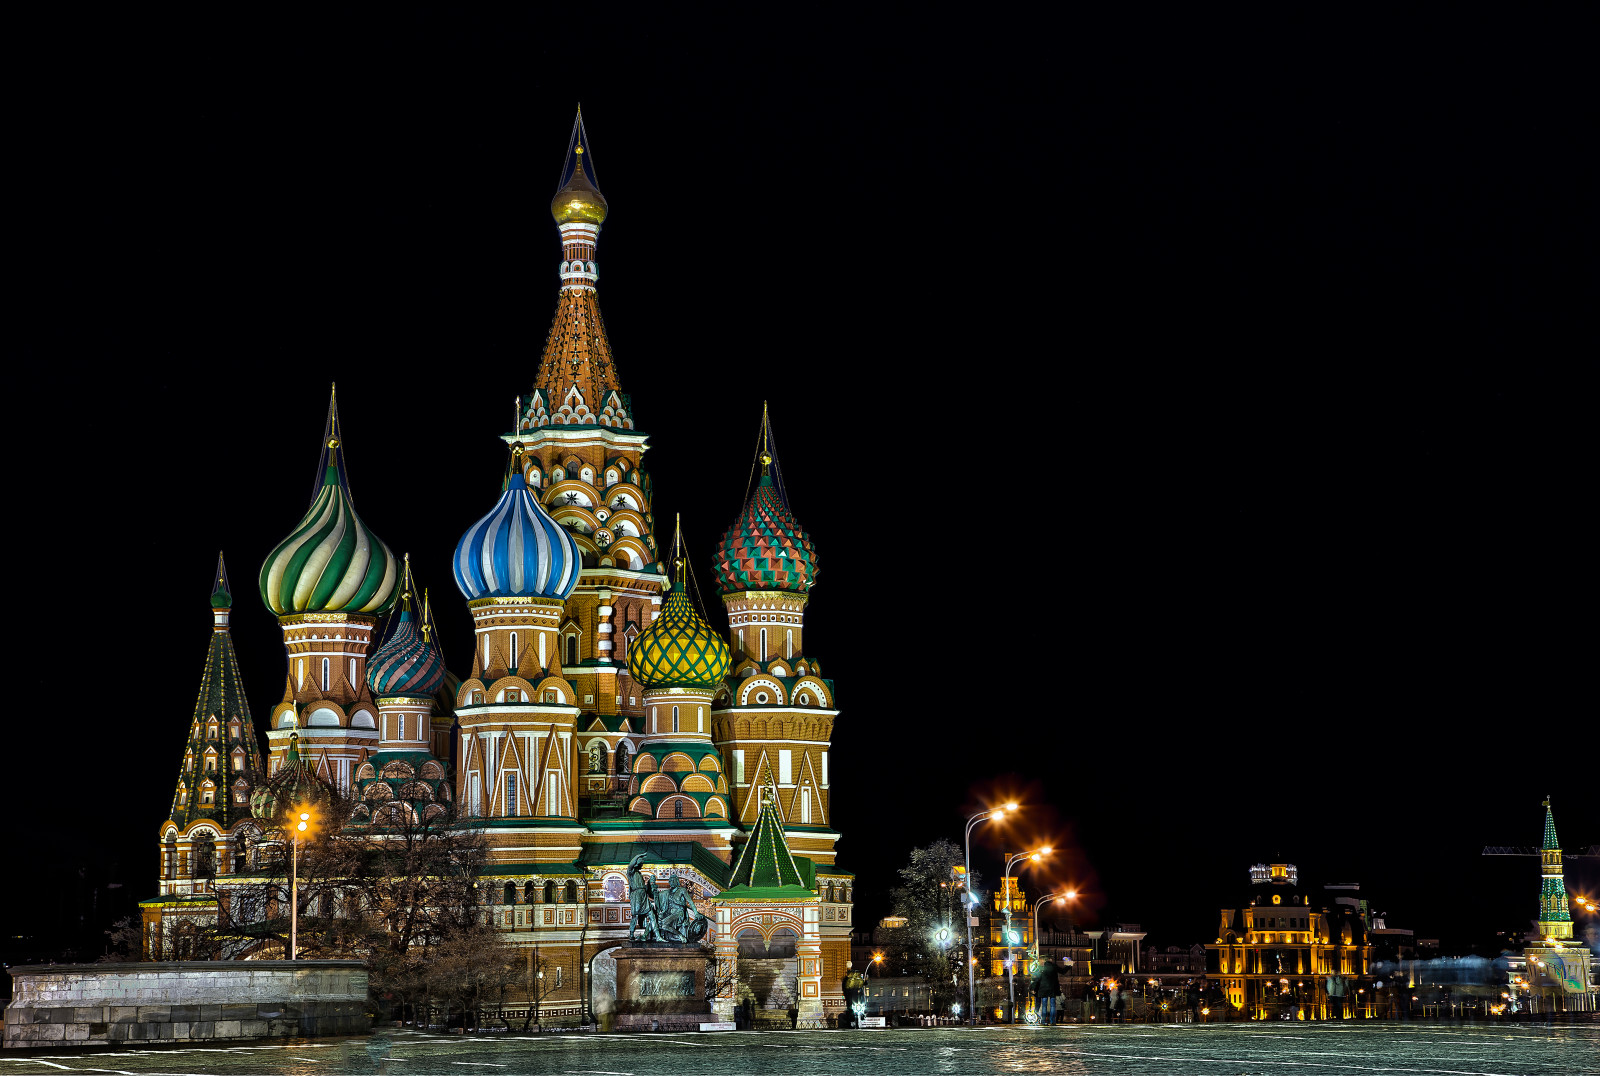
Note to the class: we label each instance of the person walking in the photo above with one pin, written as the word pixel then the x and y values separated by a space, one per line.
pixel 1046 985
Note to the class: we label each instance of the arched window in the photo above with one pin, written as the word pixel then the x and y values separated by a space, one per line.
pixel 511 893
pixel 300 674
pixel 529 891
pixel 475 803
pixel 674 719
pixel 549 892
pixel 513 650
pixel 486 651
pixel 558 974
pixel 325 674
pixel 352 672
pixel 572 892
pixel 677 808
pixel 402 733
pixel 572 650
pixel 805 806
pixel 763 644
pixel 788 647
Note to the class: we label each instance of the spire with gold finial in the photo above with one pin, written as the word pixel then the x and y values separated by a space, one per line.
pixel 577 382
pixel 579 199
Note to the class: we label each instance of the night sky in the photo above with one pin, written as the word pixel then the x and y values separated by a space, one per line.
pixel 1185 412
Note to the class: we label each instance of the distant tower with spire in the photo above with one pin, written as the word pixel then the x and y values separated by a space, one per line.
pixel 1555 917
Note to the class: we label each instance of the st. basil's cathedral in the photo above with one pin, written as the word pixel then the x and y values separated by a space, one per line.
pixel 600 717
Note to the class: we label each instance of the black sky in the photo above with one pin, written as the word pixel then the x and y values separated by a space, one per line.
pixel 1187 411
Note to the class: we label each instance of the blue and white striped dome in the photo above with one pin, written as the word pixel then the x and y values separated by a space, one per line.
pixel 517 550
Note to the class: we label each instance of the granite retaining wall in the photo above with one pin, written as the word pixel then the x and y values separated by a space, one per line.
pixel 186 1001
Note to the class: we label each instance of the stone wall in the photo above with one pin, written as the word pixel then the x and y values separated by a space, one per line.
pixel 186 1001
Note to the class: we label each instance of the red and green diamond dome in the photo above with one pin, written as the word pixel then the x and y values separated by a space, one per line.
pixel 765 549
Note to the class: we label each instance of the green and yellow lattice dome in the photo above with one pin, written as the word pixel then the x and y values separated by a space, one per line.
pixel 679 649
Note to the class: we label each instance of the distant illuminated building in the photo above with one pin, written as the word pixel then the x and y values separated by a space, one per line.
pixel 1279 956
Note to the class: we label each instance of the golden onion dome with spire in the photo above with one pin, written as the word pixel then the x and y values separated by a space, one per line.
pixel 579 200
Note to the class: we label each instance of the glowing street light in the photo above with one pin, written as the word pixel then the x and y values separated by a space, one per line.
pixel 994 815
pixel 302 828
pixel 1011 983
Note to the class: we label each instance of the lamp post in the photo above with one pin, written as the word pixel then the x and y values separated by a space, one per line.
pixel 972 990
pixel 1061 897
pixel 301 822
pixel 1011 982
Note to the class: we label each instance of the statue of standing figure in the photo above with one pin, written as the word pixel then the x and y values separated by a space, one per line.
pixel 642 902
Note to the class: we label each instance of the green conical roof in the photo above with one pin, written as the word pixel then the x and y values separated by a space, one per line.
pixel 221 698
pixel 765 863
pixel 1550 842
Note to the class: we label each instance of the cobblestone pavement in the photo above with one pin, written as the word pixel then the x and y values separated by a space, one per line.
pixel 1234 1050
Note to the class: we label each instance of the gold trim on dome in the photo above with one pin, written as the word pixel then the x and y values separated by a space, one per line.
pixel 289 619
pixel 485 603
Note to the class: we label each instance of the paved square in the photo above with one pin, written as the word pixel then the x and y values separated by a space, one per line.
pixel 1235 1050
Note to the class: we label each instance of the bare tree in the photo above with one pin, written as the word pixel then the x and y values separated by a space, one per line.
pixel 389 892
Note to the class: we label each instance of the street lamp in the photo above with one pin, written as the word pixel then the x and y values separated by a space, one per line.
pixel 302 825
pixel 1009 934
pixel 994 815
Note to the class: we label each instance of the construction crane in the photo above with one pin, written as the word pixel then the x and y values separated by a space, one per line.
pixel 1592 852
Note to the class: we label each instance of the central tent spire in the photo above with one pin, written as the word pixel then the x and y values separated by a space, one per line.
pixel 577 382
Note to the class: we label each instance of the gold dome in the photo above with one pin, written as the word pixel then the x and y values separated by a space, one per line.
pixel 579 201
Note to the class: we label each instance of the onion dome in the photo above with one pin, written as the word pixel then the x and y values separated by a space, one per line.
pixel 679 649
pixel 517 550
pixel 332 562
pixel 295 783
pixel 579 200
pixel 408 663
pixel 765 549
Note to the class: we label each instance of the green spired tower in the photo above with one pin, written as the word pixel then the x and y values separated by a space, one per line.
pixel 1555 920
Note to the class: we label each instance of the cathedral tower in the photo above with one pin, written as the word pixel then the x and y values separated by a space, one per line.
pixel 678 782
pixel 328 583
pixel 582 460
pixel 774 716
pixel 517 711
pixel 221 764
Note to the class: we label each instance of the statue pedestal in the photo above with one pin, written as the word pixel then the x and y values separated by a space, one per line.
pixel 662 987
